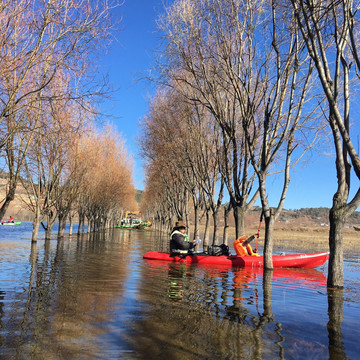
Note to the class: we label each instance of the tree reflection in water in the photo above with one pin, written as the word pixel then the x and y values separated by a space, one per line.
pixel 232 309
pixel 96 298
pixel 335 311
pixel 176 275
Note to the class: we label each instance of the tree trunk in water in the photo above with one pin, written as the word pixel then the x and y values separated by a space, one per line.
pixel 336 315
pixel 48 229
pixel 80 226
pixel 267 293
pixel 216 227
pixel 335 268
pixel 239 217
pixel 70 225
pixel 187 221
pixel 226 225
pixel 50 221
pixel 196 221
pixel 35 230
pixel 48 232
pixel 268 245
pixel 206 231
pixel 9 198
pixel 62 224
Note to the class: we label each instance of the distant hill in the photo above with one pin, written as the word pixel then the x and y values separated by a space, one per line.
pixel 309 216
pixel 300 217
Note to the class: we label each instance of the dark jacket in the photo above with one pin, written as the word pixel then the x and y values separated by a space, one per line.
pixel 177 242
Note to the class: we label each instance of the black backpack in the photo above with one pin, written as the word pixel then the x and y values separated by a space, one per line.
pixel 217 250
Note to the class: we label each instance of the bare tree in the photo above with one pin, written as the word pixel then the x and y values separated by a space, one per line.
pixel 156 200
pixel 244 61
pixel 162 148
pixel 272 122
pixel 331 37
pixel 40 40
pixel 182 138
pixel 60 123
pixel 107 180
pixel 203 58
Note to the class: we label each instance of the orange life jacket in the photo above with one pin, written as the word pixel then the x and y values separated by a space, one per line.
pixel 243 250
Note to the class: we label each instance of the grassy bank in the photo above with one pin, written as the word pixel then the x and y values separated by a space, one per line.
pixel 300 238
pixel 309 238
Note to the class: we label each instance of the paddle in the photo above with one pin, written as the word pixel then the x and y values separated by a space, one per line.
pixel 248 240
pixel 258 233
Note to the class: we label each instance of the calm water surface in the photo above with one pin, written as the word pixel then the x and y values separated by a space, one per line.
pixel 96 298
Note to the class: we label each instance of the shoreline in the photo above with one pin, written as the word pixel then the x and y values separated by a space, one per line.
pixel 309 238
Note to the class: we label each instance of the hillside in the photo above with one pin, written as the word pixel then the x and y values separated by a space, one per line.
pixel 17 208
pixel 308 217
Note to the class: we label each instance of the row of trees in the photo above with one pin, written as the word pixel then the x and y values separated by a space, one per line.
pixel 48 88
pixel 246 88
pixel 87 175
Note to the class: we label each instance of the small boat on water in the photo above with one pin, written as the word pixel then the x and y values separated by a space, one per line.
pixel 305 261
pixel 134 224
pixel 11 223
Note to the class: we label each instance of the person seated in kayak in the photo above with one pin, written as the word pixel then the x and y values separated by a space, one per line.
pixel 179 240
pixel 11 220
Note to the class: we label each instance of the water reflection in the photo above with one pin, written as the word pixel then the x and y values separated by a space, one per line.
pixel 218 303
pixel 335 310
pixel 176 274
pixel 93 297
pixel 72 288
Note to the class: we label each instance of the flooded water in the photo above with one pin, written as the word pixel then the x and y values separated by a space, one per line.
pixel 96 298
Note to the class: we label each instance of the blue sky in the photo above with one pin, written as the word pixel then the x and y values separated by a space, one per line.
pixel 313 182
pixel 128 58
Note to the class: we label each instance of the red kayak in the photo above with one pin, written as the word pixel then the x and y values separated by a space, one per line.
pixel 306 261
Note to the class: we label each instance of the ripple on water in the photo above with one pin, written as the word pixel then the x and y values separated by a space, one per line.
pixel 96 297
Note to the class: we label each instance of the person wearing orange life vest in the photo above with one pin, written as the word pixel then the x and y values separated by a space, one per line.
pixel 242 246
pixel 179 240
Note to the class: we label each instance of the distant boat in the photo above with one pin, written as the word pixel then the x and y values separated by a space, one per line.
pixel 11 223
pixel 129 224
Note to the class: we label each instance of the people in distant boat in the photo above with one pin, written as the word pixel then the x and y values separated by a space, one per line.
pixel 11 220
pixel 179 240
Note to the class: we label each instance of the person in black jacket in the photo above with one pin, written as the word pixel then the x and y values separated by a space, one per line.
pixel 179 240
